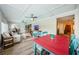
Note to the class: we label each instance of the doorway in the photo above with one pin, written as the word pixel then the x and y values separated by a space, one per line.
pixel 67 30
pixel 28 28
pixel 65 25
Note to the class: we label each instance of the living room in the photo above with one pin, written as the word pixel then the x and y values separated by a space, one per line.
pixel 26 24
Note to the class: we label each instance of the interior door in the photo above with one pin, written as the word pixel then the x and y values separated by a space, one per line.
pixel 65 25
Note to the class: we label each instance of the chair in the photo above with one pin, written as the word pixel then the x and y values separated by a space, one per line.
pixel 25 35
pixel 7 40
pixel 73 46
pixel 45 33
pixel 72 37
pixel 35 34
pixel 17 37
pixel 71 49
pixel 52 36
pixel 78 50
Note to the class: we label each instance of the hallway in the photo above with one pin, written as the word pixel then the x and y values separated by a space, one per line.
pixel 23 48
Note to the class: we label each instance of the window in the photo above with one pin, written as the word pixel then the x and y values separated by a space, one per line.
pixel 4 27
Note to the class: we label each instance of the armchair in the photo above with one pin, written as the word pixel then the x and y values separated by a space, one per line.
pixel 7 40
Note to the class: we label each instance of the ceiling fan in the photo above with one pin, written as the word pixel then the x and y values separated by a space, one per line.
pixel 32 17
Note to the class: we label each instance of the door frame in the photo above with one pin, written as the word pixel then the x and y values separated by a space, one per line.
pixel 57 20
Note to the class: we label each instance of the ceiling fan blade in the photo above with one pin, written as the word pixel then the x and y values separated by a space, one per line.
pixel 27 17
pixel 32 16
pixel 35 17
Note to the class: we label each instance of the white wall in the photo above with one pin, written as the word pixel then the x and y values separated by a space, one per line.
pixel 21 26
pixel 49 23
pixel 0 28
pixel 4 24
pixel 76 20
pixel 2 19
pixel 77 23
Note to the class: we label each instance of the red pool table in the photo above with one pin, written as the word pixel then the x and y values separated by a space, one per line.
pixel 59 45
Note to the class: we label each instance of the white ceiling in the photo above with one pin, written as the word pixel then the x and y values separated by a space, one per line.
pixel 17 12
